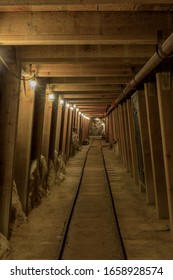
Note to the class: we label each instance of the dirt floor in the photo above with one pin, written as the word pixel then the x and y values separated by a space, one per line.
pixel 145 237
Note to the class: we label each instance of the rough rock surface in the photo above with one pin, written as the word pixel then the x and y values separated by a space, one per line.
pixel 4 248
pixel 17 214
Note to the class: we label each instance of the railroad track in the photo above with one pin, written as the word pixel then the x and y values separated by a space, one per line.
pixel 92 230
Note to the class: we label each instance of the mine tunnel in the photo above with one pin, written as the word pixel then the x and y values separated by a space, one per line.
pixel 86 129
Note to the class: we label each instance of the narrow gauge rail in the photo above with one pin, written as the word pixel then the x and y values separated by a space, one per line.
pixel 92 230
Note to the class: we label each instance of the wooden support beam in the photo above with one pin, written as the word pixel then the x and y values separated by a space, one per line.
pixel 146 150
pixel 94 95
pixel 85 87
pixel 127 136
pixel 91 80
pixel 64 131
pixel 107 129
pixel 75 70
pixel 164 83
pixel 34 3
pixel 117 133
pixel 38 119
pixel 9 102
pixel 58 126
pixel 67 28
pixel 132 142
pixel 110 130
pixel 122 133
pixel 63 54
pixel 53 131
pixel 87 5
pixel 23 144
pixel 46 128
pixel 69 133
pixel 156 150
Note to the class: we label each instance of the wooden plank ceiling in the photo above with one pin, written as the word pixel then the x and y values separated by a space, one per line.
pixel 88 50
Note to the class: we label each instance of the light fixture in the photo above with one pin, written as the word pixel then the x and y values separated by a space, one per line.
pixel 67 105
pixel 71 108
pixel 51 97
pixel 33 83
pixel 61 101
pixel 74 106
pixel 80 113
pixel 77 109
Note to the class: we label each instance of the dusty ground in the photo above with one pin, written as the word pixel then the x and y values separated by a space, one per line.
pixel 40 237
pixel 145 237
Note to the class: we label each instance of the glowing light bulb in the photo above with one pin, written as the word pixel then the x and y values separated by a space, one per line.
pixel 33 83
pixel 71 108
pixel 51 97
pixel 61 101
pixel 77 109
pixel 67 105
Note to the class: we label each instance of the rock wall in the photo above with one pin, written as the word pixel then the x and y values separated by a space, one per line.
pixel 37 182
pixel 17 214
pixel 74 147
pixel 56 173
pixel 4 248
pixel 97 127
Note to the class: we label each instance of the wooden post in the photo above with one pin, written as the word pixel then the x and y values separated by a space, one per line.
pixel 58 126
pixel 64 131
pixel 164 83
pixel 69 132
pixel 132 143
pixel 114 126
pixel 54 119
pixel 110 132
pixel 23 144
pixel 122 132
pixel 9 102
pixel 127 141
pixel 146 150
pixel 118 136
pixel 38 119
pixel 46 128
pixel 156 150
pixel 80 129
pixel 106 129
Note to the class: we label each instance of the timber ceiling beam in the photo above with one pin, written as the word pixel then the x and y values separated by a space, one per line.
pixel 90 80
pixel 90 96
pixel 96 101
pixel 46 28
pixel 85 5
pixel 83 70
pixel 85 87
pixel 60 53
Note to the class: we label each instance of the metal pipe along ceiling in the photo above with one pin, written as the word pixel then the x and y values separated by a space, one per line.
pixel 165 51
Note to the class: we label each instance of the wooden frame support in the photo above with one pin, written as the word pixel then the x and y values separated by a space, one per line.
pixel 118 136
pixel 69 132
pixel 23 144
pixel 164 82
pixel 146 151
pixel 156 150
pixel 122 133
pixel 64 131
pixel 134 158
pixel 46 128
pixel 38 119
pixel 58 126
pixel 9 103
